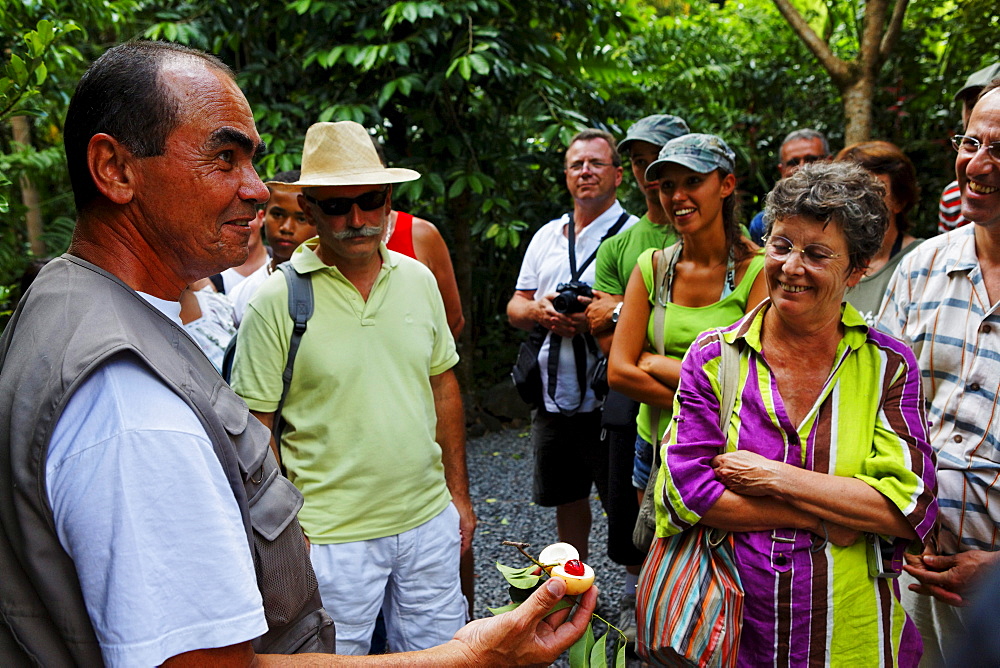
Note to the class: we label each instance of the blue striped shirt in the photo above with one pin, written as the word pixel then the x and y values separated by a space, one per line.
pixel 937 302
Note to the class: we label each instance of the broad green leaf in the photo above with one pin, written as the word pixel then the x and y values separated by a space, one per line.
pixel 46 30
pixel 503 608
pixel 492 230
pixel 579 653
pixel 464 68
pixel 620 656
pixel 479 63
pixel 18 68
pixel 387 91
pixel 457 187
pixel 598 655
pixel 522 578
pixel 41 72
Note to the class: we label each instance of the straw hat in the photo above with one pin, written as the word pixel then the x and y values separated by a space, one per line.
pixel 342 154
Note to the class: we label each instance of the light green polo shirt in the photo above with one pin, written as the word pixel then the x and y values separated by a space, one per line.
pixel 617 256
pixel 360 442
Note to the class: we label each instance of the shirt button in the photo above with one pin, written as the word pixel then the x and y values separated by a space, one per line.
pixel 974 387
pixel 958 438
pixel 987 329
pixel 780 560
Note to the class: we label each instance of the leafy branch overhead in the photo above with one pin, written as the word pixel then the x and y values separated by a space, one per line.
pixel 856 77
pixel 26 71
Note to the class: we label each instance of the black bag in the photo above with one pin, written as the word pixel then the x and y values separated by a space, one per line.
pixel 599 378
pixel 620 411
pixel 526 374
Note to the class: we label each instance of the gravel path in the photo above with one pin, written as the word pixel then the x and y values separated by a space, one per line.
pixel 500 472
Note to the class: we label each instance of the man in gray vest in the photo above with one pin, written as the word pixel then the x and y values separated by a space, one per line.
pixel 142 517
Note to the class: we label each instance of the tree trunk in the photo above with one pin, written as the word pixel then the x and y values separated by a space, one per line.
pixel 858 109
pixel 29 194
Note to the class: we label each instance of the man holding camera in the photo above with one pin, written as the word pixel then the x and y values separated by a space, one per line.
pixel 552 293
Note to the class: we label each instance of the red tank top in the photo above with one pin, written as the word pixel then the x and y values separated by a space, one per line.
pixel 401 240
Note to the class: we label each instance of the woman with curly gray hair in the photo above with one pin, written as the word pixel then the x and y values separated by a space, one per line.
pixel 826 449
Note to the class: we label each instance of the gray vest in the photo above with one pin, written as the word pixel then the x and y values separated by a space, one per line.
pixel 75 318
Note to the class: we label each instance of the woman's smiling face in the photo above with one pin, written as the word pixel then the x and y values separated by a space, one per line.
pixel 810 283
pixel 692 199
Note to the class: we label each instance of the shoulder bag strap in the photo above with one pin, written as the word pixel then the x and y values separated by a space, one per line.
pixel 668 257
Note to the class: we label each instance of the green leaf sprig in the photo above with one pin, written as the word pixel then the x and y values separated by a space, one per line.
pixel 587 652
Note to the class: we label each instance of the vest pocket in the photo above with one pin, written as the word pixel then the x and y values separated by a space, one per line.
pixel 285 576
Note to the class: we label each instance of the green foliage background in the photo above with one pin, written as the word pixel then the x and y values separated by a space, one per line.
pixel 481 95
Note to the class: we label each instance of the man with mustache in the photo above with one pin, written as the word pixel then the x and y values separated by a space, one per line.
pixel 142 519
pixel 375 435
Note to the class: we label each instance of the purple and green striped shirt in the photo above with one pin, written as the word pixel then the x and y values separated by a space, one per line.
pixel 801 607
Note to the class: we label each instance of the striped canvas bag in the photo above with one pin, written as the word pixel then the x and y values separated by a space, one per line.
pixel 690 599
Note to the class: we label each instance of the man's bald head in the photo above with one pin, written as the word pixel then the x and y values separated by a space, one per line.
pixel 122 95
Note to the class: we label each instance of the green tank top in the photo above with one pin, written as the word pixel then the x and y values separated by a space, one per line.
pixel 683 324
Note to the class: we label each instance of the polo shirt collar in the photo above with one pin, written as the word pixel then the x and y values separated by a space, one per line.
pixel 305 260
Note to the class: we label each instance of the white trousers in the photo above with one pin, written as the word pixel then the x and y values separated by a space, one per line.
pixel 412 576
pixel 939 624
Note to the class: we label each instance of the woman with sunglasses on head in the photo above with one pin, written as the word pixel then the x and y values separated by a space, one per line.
pixel 826 449
pixel 889 165
pixel 713 274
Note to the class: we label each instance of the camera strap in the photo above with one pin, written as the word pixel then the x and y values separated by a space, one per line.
pixel 582 343
pixel 571 237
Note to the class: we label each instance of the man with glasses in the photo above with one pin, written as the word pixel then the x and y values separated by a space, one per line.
pixel 375 436
pixel 799 148
pixel 950 206
pixel 566 427
pixel 944 300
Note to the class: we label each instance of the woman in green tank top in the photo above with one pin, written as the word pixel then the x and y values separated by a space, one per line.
pixel 713 277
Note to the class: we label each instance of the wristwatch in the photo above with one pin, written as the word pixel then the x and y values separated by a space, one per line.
pixel 616 313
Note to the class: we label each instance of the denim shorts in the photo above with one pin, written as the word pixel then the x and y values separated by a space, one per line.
pixel 643 462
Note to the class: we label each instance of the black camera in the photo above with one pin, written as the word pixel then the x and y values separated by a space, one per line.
pixel 568 299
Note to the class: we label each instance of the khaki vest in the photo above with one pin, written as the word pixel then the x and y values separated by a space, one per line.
pixel 74 318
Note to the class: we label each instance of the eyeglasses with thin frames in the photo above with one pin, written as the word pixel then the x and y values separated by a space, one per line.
pixel 970 146
pixel 813 255
pixel 595 165
pixel 340 206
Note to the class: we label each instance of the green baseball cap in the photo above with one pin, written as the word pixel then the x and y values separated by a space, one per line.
pixel 979 79
pixel 657 129
pixel 699 152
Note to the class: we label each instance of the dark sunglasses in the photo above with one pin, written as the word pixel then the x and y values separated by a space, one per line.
pixel 340 206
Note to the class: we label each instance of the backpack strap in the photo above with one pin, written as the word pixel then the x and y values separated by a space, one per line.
pixel 300 308
pixel 218 282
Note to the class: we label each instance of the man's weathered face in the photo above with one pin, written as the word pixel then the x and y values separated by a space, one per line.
pixel 195 202
pixel 353 235
pixel 979 173
pixel 797 152
pixel 590 174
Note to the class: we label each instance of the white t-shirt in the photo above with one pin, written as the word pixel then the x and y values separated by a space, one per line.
pixel 241 294
pixel 143 507
pixel 545 266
